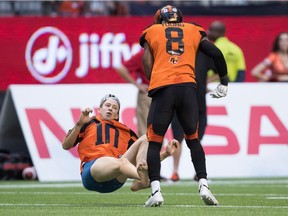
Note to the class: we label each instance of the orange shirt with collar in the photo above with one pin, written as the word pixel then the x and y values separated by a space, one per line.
pixel 100 138
pixel 174 47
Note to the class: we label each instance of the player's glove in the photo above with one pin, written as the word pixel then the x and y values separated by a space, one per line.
pixel 220 91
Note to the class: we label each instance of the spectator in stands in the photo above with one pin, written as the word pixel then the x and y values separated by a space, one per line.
pixel 274 68
pixel 120 8
pixel 106 8
pixel 233 54
pixel 50 8
pixel 71 8
pixel 133 72
pixel 99 8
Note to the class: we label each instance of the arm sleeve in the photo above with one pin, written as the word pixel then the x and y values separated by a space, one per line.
pixel 135 63
pixel 213 52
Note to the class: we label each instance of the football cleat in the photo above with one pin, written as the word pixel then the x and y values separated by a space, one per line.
pixel 207 196
pixel 155 200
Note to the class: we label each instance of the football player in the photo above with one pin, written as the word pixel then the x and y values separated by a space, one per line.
pixel 169 63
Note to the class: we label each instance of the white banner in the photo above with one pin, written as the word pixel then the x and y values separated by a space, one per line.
pixel 247 133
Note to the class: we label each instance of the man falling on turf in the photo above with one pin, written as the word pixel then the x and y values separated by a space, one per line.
pixel 109 151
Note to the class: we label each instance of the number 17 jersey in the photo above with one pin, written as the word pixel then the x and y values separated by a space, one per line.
pixel 174 47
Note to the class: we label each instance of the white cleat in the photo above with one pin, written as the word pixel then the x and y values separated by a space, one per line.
pixel 155 200
pixel 207 196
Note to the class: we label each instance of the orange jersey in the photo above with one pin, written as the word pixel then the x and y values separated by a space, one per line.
pixel 276 64
pixel 100 138
pixel 174 47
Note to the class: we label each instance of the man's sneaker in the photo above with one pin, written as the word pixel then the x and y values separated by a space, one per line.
pixel 175 177
pixel 207 196
pixel 155 200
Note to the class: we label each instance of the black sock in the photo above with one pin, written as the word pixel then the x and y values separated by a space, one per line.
pixel 197 157
pixel 153 161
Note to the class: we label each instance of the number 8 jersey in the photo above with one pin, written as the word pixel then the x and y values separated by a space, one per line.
pixel 174 47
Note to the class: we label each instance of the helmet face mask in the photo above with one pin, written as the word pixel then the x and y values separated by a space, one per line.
pixel 170 14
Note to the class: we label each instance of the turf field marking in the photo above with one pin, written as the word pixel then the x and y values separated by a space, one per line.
pixel 278 198
pixel 268 196
pixel 239 183
pixel 178 206
pixel 35 204
pixel 40 185
pixel 224 206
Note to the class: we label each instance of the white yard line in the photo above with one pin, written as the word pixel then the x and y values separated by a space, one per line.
pixel 178 206
pixel 180 183
pixel 39 185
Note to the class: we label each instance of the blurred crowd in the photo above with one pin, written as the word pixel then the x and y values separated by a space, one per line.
pixel 64 8
pixel 116 8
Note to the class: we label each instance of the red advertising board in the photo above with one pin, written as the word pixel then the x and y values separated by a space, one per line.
pixel 53 50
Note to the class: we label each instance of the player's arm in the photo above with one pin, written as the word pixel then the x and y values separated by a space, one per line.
pixel 213 52
pixel 124 73
pixel 70 139
pixel 147 61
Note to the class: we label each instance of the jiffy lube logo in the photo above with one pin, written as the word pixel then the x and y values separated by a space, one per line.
pixel 103 52
pixel 49 53
pixel 48 62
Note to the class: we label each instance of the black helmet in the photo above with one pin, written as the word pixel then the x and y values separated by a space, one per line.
pixel 170 13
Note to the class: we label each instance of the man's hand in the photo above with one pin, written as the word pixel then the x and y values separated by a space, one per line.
pixel 220 91
pixel 84 118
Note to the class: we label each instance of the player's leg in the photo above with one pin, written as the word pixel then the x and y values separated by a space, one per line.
pixel 132 154
pixel 201 127
pixel 142 166
pixel 159 117
pixel 187 112
pixel 91 184
pixel 178 134
pixel 137 155
pixel 202 123
pixel 176 160
pixel 188 118
pixel 142 109
pixel 107 168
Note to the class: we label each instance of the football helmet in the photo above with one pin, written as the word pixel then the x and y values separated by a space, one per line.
pixel 170 13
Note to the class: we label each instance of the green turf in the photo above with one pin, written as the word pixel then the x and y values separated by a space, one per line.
pixel 268 196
